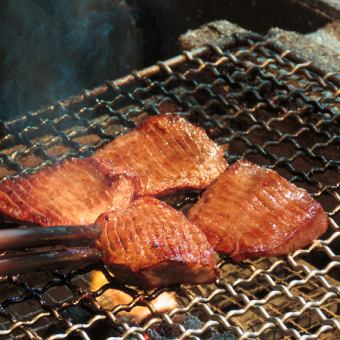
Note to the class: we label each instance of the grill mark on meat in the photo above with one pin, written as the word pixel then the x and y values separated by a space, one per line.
pixel 250 211
pixel 13 201
pixel 140 239
pixel 121 236
pixel 185 153
pixel 175 145
pixel 136 242
pixel 141 170
pixel 50 199
pixel 193 149
pixel 161 146
pixel 157 221
pixel 159 170
pixel 144 240
pixel 200 150
pixel 162 150
pixel 169 241
pixel 160 240
pixel 68 194
pixel 71 192
pixel 108 241
pixel 13 204
pixel 122 160
pixel 295 210
pixel 263 207
pixel 165 146
pixel 19 196
pixel 253 215
pixel 279 200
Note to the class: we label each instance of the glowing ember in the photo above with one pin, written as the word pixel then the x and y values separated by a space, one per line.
pixel 112 297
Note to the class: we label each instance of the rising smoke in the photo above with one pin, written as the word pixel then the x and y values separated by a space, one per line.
pixel 51 49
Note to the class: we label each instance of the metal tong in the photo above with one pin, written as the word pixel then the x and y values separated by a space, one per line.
pixel 27 249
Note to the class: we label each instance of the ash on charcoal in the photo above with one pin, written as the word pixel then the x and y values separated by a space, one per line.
pixel 321 47
pixel 190 322
pixel 308 49
pixel 328 36
pixel 209 33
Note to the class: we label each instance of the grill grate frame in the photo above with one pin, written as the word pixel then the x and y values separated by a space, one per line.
pixel 257 100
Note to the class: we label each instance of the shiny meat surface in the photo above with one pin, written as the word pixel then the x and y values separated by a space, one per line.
pixel 150 244
pixel 73 192
pixel 250 211
pixel 167 153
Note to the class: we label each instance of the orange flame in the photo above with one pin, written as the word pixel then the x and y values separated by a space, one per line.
pixel 112 297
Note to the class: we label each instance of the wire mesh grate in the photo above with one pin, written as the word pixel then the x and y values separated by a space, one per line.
pixel 258 101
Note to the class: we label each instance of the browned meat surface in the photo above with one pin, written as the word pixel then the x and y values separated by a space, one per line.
pixel 73 192
pixel 150 244
pixel 250 211
pixel 167 153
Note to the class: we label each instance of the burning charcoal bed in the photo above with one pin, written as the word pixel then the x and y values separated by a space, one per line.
pixel 259 102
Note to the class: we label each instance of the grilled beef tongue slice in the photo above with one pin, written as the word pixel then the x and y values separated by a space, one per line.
pixel 74 192
pixel 167 153
pixel 250 211
pixel 150 244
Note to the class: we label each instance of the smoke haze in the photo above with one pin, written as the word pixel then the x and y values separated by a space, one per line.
pixel 51 49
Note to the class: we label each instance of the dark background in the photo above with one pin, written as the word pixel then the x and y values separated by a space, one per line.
pixel 51 49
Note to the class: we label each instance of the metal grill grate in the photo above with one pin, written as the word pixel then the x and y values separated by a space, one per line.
pixel 260 102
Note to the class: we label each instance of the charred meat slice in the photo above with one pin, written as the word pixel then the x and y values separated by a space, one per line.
pixel 167 153
pixel 73 192
pixel 150 244
pixel 250 211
